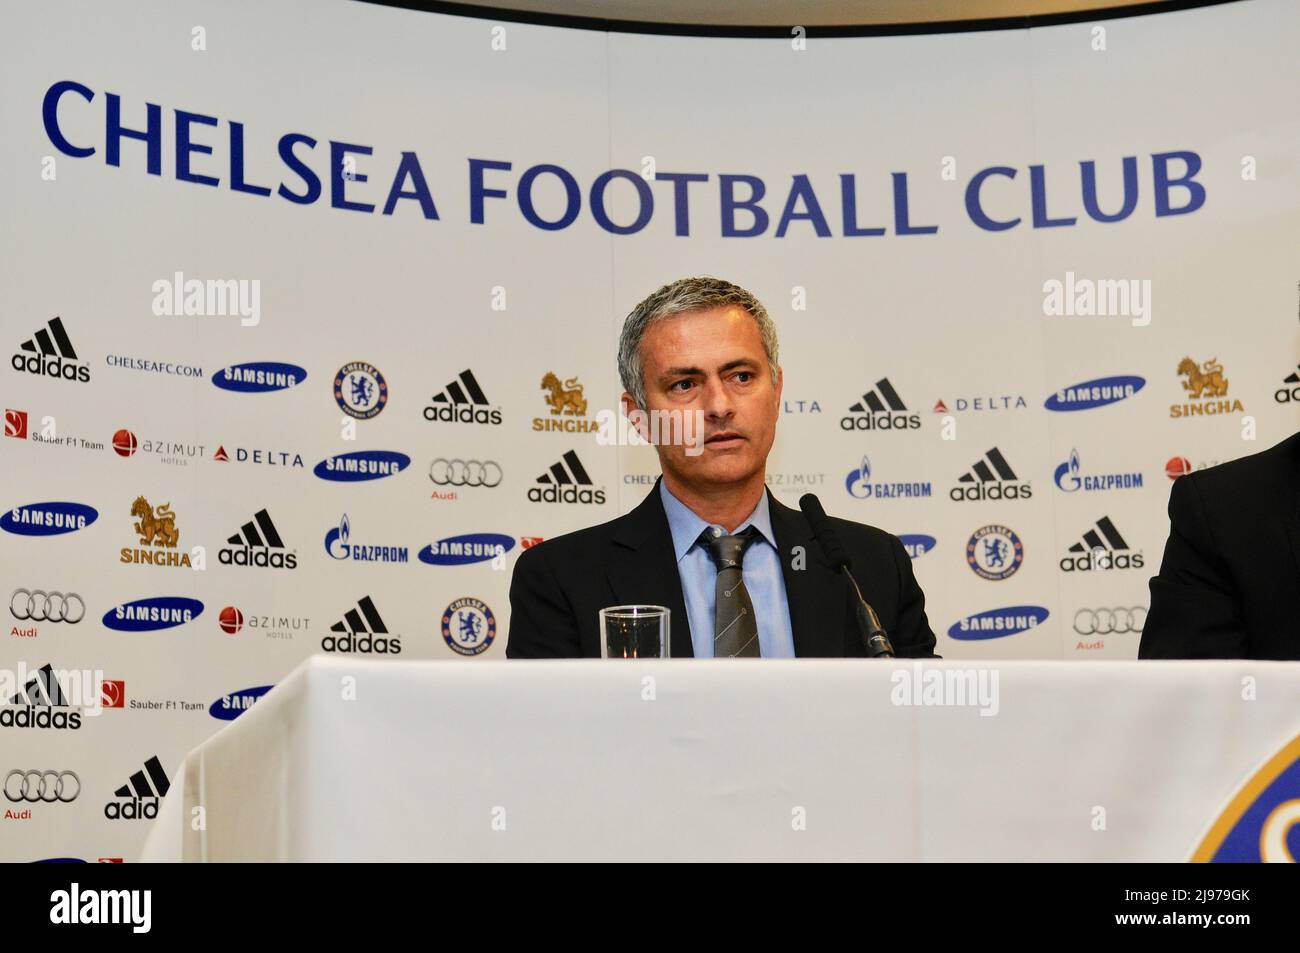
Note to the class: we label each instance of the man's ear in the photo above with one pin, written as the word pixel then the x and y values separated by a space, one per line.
pixel 637 417
pixel 780 383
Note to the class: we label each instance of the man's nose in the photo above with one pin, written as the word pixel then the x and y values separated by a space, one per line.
pixel 718 401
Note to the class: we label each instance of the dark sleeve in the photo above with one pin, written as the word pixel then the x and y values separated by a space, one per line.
pixel 1193 607
pixel 911 635
pixel 542 622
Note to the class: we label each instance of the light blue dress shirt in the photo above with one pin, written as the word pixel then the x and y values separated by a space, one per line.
pixel 761 568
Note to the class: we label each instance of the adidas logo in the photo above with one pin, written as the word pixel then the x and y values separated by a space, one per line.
pixel 880 409
pixel 258 543
pixel 462 402
pixel 990 478
pixel 1102 547
pixel 362 630
pixel 138 798
pixel 39 699
pixel 1291 392
pixel 566 481
pixel 49 353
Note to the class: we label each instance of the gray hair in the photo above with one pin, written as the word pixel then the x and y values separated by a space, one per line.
pixel 679 297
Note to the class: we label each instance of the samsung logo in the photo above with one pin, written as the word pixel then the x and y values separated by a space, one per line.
pixel 917 544
pixel 48 519
pixel 996 623
pixel 229 707
pixel 469 548
pixel 362 465
pixel 150 615
pixel 259 377
pixel 1098 393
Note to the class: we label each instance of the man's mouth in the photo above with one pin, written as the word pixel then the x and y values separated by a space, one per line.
pixel 727 438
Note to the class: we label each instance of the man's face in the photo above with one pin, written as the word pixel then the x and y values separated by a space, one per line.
pixel 711 362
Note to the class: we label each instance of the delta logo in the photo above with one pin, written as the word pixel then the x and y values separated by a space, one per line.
pixel 49 353
pixel 1070 478
pixel 568 408
pixel 229 707
pixel 258 544
pixel 259 377
pixel 1207 391
pixel 362 465
pixel 261 456
pixel 917 544
pixel 990 478
pixel 462 402
pixel 152 614
pixel 567 481
pixel 859 486
pixel 880 409
pixel 997 623
pixel 48 519
pixel 362 630
pixel 1101 548
pixel 961 405
pixel 156 529
pixel 139 798
pixel 1096 393
pixel 1261 823
pixel 466 549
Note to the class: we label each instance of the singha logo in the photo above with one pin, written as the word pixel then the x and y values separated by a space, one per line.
pixel 155 527
pixel 1204 381
pixel 564 398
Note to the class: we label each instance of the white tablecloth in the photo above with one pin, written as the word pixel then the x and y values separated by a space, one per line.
pixel 805 759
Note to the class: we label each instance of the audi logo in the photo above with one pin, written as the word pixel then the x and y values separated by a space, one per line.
pixel 1106 621
pixel 34 786
pixel 41 606
pixel 465 472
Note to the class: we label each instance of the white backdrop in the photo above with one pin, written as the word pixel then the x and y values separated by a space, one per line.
pixel 956 315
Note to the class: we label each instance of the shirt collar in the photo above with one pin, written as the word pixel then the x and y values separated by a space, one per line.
pixel 686 527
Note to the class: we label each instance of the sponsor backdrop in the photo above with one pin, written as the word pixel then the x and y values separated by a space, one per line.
pixel 310 316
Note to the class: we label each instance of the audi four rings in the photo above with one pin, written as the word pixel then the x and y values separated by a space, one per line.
pixel 1106 621
pixel 41 789
pixel 41 606
pixel 446 472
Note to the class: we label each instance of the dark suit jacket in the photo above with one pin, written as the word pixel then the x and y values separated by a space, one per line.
pixel 1229 586
pixel 561 584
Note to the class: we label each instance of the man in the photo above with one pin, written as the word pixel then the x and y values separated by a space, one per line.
pixel 1229 586
pixel 706 349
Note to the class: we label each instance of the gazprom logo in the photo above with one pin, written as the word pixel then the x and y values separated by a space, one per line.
pixel 259 377
pixel 362 465
pixel 150 615
pixel 1098 393
pixel 1261 824
pixel 917 544
pixel 48 519
pixel 469 548
pixel 997 623
pixel 229 707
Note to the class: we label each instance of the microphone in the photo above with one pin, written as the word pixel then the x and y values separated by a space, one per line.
pixel 873 633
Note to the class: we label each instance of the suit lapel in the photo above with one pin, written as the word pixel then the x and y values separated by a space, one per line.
pixel 642 568
pixel 815 593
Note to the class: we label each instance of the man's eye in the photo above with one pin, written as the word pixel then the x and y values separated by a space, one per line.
pixel 747 375
pixel 678 385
